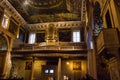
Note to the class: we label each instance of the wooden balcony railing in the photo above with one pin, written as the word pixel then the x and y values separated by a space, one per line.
pixel 107 38
pixel 59 46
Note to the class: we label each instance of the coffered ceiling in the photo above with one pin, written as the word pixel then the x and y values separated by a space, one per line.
pixel 39 11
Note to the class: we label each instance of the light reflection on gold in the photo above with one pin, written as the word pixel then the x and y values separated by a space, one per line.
pixel 67 63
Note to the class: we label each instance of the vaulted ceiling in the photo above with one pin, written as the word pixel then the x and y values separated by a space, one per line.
pixel 39 11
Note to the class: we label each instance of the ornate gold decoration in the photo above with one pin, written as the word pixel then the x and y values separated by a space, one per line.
pixel 45 4
pixel 51 34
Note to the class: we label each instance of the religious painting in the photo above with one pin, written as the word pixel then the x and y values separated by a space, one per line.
pixel 76 65
pixel 28 66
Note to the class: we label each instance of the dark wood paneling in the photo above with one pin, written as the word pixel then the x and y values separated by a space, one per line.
pixel 65 35
pixel 13 27
pixel 1 15
pixel 40 37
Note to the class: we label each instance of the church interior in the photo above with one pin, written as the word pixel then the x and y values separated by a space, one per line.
pixel 59 39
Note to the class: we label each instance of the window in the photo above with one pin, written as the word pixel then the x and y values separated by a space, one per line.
pixel 108 20
pixel 21 34
pixel 32 37
pixel 21 37
pixel 5 21
pixel 91 45
pixel 51 71
pixel 76 36
pixel 46 71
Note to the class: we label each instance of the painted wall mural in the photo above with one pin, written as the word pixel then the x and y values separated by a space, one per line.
pixel 37 11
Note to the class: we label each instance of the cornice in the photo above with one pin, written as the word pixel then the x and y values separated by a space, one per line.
pixel 43 5
pixel 39 26
pixel 7 6
pixel 64 24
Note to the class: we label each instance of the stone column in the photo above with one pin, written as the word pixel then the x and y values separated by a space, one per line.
pixel 32 71
pixel 7 60
pixel 92 64
pixel 59 69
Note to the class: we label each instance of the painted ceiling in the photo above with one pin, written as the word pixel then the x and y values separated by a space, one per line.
pixel 38 11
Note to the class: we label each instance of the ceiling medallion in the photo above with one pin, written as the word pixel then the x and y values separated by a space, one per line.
pixel 45 4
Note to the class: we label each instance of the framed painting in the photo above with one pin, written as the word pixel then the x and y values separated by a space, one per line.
pixel 76 65
pixel 28 66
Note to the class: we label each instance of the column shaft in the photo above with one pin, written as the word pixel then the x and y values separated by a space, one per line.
pixel 59 69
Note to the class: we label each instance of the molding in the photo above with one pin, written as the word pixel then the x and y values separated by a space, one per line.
pixel 10 9
pixel 65 24
pixel 51 55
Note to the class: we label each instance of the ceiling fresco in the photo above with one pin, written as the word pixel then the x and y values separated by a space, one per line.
pixel 38 11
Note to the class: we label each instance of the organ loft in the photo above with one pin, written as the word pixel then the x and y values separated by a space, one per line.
pixel 59 39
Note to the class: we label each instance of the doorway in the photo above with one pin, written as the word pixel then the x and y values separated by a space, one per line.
pixel 49 72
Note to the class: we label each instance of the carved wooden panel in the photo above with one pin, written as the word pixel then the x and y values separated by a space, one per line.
pixel 13 27
pixel 107 38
